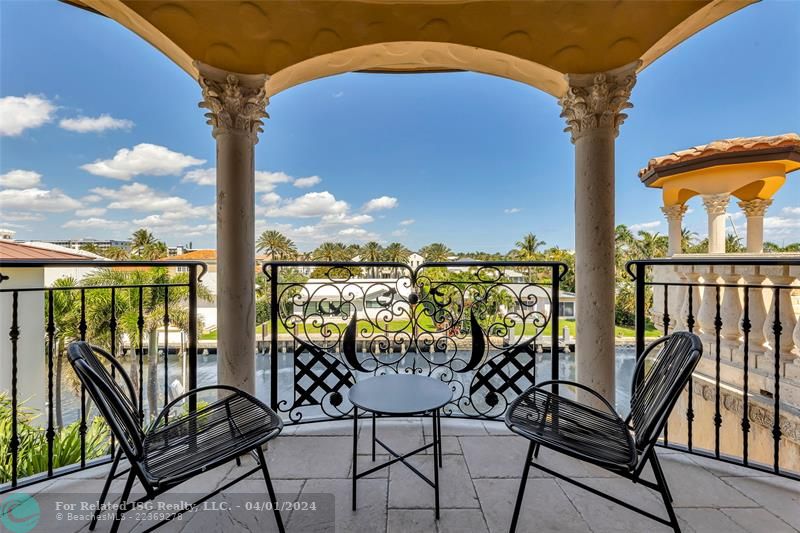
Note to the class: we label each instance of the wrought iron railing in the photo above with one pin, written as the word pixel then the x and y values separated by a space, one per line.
pixel 478 326
pixel 41 320
pixel 743 404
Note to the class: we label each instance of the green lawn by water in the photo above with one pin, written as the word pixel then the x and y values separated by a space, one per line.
pixel 621 331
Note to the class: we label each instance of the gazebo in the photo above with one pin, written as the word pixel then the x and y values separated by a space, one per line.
pixel 752 169
pixel 587 55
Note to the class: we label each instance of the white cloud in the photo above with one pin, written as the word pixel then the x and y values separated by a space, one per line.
pixel 383 202
pixel 91 212
pixel 139 197
pixel 95 124
pixel 782 229
pixel 645 225
pixel 347 219
pixel 270 198
pixel 359 234
pixel 402 232
pixel 266 181
pixel 201 176
pixel 791 211
pixel 18 113
pixel 21 216
pixel 91 198
pixel 20 179
pixel 512 210
pixel 312 204
pixel 407 222
pixel 145 158
pixel 94 222
pixel 304 183
pixel 338 94
pixel 53 200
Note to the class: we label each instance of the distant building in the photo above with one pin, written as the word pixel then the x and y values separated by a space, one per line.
pixel 77 244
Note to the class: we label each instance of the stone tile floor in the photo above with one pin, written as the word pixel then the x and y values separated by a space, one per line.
pixel 479 480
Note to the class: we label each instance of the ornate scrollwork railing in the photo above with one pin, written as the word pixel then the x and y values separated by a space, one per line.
pixel 478 326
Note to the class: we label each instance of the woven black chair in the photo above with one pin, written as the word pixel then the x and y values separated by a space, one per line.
pixel 179 444
pixel 600 436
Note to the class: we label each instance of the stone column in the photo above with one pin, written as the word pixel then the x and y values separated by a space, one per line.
pixel 593 108
pixel 674 214
pixel 755 210
pixel 236 104
pixel 716 207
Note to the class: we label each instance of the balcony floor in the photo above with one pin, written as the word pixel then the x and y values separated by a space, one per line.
pixel 479 480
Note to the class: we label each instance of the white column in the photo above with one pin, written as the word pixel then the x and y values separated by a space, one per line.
pixel 674 215
pixel 755 210
pixel 593 109
pixel 236 104
pixel 716 207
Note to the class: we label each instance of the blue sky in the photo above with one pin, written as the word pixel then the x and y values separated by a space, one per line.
pixel 470 160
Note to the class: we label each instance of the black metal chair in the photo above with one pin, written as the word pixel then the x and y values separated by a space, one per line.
pixel 180 444
pixel 600 436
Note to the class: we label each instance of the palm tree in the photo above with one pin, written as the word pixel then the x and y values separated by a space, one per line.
pixel 153 251
pixel 528 250
pixel 116 253
pixel 733 244
pixel 528 247
pixel 372 252
pixel 331 252
pixel 688 239
pixel 66 318
pixel 650 245
pixel 396 253
pixel 436 252
pixel 276 245
pixel 771 247
pixel 140 239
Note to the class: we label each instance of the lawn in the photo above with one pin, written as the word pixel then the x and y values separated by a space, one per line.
pixel 427 323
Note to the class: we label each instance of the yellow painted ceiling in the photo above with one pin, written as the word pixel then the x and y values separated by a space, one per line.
pixel 548 38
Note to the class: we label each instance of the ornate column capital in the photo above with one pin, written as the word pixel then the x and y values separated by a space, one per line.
pixel 596 101
pixel 674 212
pixel 716 204
pixel 756 207
pixel 236 102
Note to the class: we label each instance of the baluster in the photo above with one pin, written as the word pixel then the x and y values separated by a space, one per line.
pixel 706 313
pixel 677 301
pixel 112 326
pixel 783 314
pixel 13 334
pixel 746 326
pixel 793 371
pixel 692 298
pixel 717 345
pixel 51 330
pixel 757 314
pixel 166 347
pixel 731 312
pixel 82 427
pixel 140 330
pixel 776 414
pixel 666 332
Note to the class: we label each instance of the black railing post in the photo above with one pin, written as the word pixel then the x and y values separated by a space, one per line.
pixel 641 312
pixel 273 335
pixel 13 335
pixel 192 350
pixel 554 351
pixel 51 433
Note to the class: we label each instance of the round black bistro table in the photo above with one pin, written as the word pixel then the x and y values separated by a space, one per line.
pixel 400 395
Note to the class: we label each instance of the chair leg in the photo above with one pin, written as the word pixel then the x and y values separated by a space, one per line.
pixel 522 484
pixel 536 451
pixel 107 486
pixel 661 481
pixel 123 501
pixel 270 489
pixel 373 436
pixel 657 465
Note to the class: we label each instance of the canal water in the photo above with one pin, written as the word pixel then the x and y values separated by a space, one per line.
pixel 207 375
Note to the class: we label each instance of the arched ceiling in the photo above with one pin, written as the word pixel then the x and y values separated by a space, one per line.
pixel 294 41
